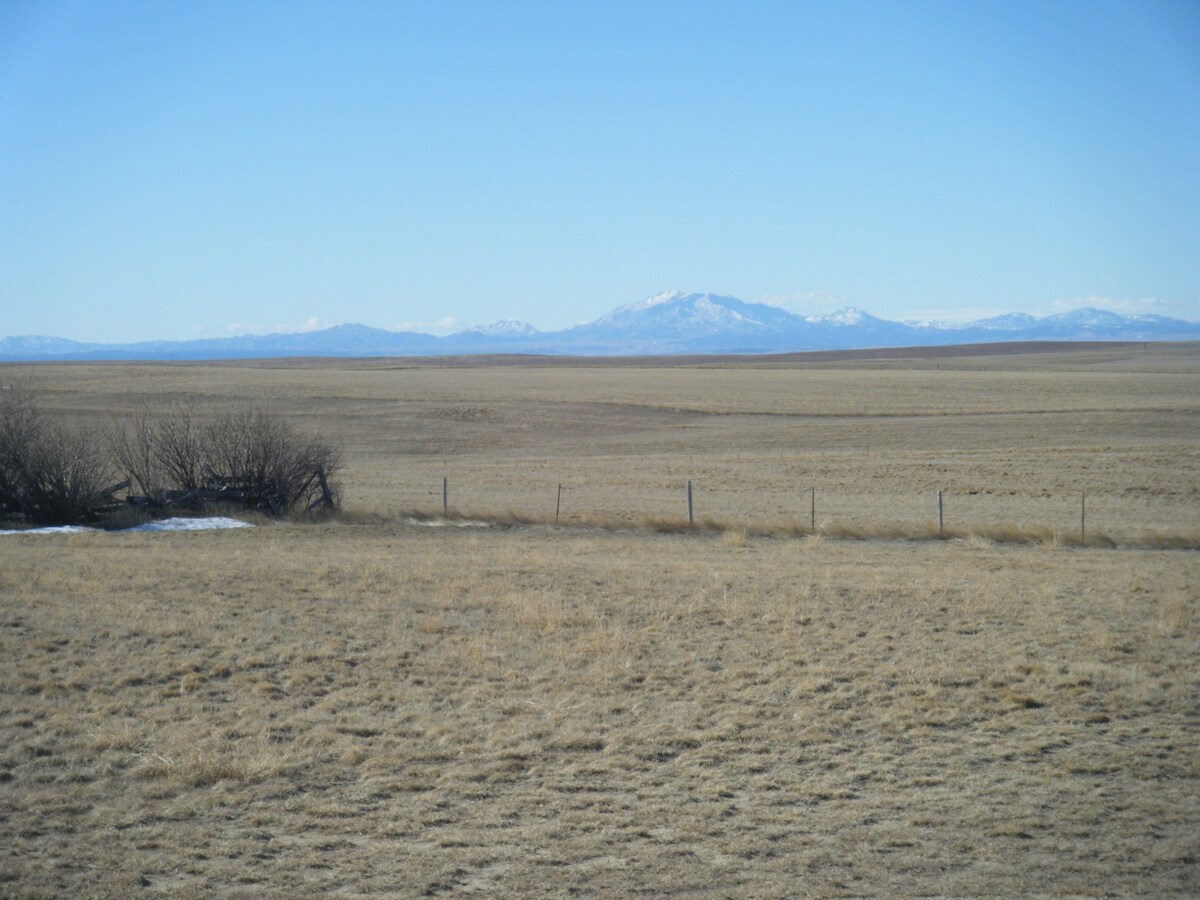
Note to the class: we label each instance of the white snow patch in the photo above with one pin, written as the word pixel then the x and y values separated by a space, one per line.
pixel 176 524
pixel 184 524
pixel 447 523
pixel 846 316
pixel 623 312
pixel 659 299
pixel 53 529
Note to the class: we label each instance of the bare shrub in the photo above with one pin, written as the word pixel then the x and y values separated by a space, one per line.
pixel 20 424
pixel 159 452
pixel 50 473
pixel 248 455
pixel 180 448
pixel 273 465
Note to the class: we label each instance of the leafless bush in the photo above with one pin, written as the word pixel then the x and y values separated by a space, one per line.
pixel 273 465
pixel 50 473
pixel 161 452
pixel 181 448
pixel 248 456
pixel 20 423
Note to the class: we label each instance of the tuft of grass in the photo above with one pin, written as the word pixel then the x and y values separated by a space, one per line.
pixel 432 625
pixel 734 537
pixel 852 531
pixel 976 541
pixel 1176 616
pixel 202 768
pixel 1010 533
pixel 1163 540
pixel 673 525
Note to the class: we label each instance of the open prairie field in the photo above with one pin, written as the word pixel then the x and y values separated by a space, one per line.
pixel 1009 439
pixel 370 705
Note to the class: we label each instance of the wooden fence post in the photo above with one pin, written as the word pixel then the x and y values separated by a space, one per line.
pixel 940 531
pixel 813 511
pixel 558 503
pixel 1083 518
pixel 689 499
pixel 444 505
pixel 326 494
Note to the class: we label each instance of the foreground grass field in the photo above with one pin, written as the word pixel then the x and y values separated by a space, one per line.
pixel 374 706
pixel 410 710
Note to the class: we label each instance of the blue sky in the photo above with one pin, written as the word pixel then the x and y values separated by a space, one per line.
pixel 176 170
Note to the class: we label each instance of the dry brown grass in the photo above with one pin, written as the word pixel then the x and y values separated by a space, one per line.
pixel 619 705
pixel 1009 440
pixel 733 532
pixel 400 709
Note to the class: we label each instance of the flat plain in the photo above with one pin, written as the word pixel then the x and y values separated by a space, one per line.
pixel 618 705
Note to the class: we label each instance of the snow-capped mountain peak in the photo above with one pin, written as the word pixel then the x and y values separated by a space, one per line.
pixel 659 299
pixel 1007 322
pixel 1089 316
pixel 666 298
pixel 848 315
pixel 675 313
pixel 670 322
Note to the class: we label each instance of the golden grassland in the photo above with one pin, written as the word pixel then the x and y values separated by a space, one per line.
pixel 374 705
pixel 1010 439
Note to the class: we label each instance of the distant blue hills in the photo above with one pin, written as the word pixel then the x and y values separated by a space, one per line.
pixel 669 323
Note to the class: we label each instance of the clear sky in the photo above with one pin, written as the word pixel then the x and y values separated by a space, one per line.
pixel 197 169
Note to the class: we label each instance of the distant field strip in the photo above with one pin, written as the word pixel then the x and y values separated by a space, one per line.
pixel 999 534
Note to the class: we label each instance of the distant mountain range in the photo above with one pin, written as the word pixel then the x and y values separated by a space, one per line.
pixel 670 323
